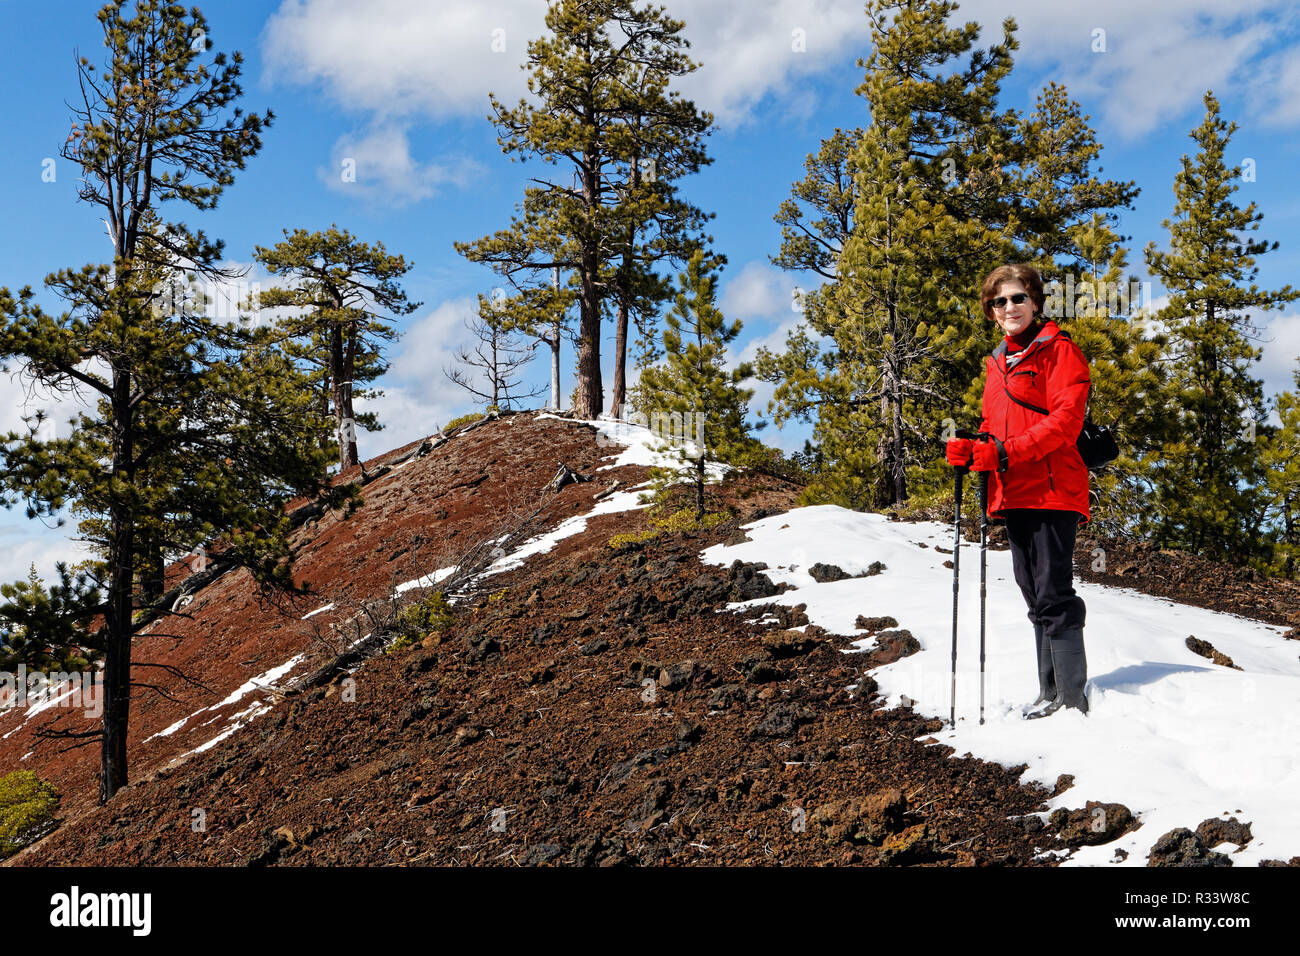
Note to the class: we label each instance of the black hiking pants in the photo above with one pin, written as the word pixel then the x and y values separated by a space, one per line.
pixel 1042 556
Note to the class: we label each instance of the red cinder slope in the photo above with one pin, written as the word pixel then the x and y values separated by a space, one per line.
pixel 204 663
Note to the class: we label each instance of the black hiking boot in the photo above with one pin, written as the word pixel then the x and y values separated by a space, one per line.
pixel 1046 673
pixel 1046 676
pixel 1070 673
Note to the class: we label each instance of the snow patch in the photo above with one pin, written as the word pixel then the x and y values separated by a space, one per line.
pixel 619 501
pixel 426 581
pixel 255 683
pixel 1170 735
pixel 242 719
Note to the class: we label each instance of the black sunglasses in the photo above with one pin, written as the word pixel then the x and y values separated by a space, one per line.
pixel 1001 301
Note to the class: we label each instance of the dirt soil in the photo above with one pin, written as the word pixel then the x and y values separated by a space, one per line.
pixel 591 707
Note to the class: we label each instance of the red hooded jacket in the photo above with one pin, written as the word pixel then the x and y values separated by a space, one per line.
pixel 1043 468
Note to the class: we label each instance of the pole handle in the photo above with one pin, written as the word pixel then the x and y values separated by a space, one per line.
pixel 974 436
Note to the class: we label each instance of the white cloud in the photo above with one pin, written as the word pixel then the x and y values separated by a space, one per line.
pixel 764 48
pixel 1159 58
pixel 406 415
pixel 411 59
pixel 759 292
pixel 1281 345
pixel 20 397
pixel 1275 89
pixel 429 343
pixel 26 542
pixel 377 166
pixel 1168 77
pixel 403 57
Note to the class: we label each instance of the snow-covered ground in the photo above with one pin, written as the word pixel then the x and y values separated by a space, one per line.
pixel 1169 734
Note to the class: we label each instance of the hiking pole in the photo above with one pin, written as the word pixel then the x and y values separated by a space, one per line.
pixel 956 557
pixel 956 550
pixel 984 545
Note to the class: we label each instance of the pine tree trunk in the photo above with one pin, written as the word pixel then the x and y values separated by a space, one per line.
pixel 620 354
pixel 496 368
pixel 1288 564
pixel 342 400
pixel 555 368
pixel 555 352
pixel 699 484
pixel 620 332
pixel 591 395
pixel 117 694
pixel 894 483
pixel 349 374
pixel 325 392
pixel 898 457
pixel 882 479
pixel 152 573
pixel 117 617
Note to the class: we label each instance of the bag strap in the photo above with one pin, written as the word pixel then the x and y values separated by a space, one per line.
pixel 1034 408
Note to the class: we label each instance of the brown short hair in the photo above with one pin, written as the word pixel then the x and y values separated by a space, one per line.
pixel 1026 275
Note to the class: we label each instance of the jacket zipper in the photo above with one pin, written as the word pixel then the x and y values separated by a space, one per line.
pixel 1006 424
pixel 1051 482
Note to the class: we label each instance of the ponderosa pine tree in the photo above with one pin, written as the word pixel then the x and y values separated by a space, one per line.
pixel 1053 189
pixel 1209 486
pixel 827 193
pixel 637 289
pixel 606 117
pixel 816 222
pixel 40 626
pixel 1065 211
pixel 995 174
pixel 166 383
pixel 691 395
pixel 1129 380
pixel 1279 455
pixel 344 287
pixel 905 344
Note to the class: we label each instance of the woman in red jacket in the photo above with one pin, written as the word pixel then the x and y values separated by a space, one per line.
pixel 1035 399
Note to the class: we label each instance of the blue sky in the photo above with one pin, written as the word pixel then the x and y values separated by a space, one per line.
pixel 401 86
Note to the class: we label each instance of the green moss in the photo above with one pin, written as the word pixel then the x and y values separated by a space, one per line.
pixel 683 519
pixel 631 537
pixel 27 806
pixel 463 420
